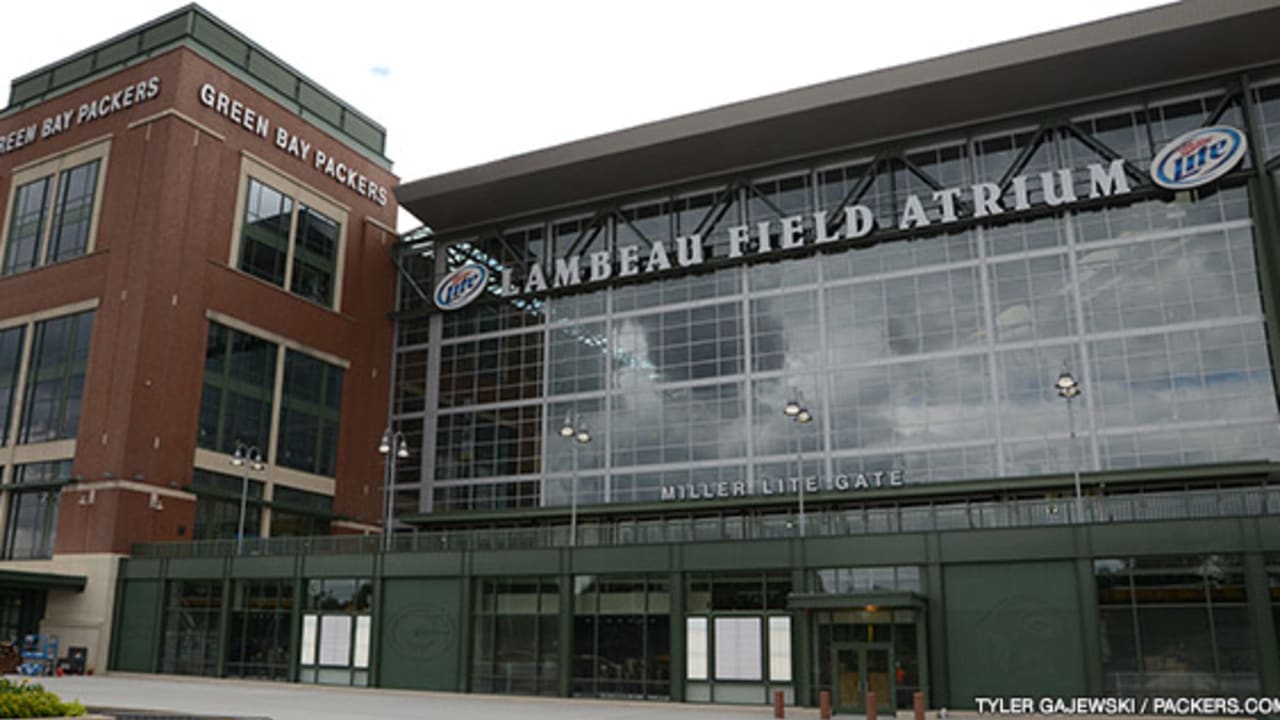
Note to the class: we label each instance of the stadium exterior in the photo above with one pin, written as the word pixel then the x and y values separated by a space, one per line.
pixel 596 345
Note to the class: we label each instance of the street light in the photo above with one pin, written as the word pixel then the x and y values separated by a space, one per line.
pixel 576 430
pixel 389 477
pixel 246 457
pixel 799 415
pixel 1069 389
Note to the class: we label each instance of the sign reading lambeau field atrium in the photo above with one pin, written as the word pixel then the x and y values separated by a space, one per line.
pixel 1191 160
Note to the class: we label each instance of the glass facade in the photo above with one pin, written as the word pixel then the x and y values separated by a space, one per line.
pixel 218 505
pixel 55 378
pixel 51 217
pixel 239 389
pixel 32 523
pixel 191 627
pixel 336 632
pixel 931 351
pixel 258 637
pixel 622 636
pixel 516 636
pixel 1175 625
pixel 289 244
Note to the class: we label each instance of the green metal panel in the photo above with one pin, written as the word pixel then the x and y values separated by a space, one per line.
pixel 218 39
pixel 1185 536
pixel 516 562
pixel 272 73
pixel 167 31
pixel 1262 622
pixel 1011 628
pixel 423 564
pixel 341 566
pixel 135 633
pixel 140 568
pixel 866 550
pixel 1011 544
pixel 315 100
pixel 198 568
pixel 1268 533
pixel 261 567
pixel 764 555
pixel 73 70
pixel 636 558
pixel 420 638
pixel 118 51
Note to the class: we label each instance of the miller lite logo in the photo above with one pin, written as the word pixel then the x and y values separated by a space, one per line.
pixel 460 287
pixel 1198 157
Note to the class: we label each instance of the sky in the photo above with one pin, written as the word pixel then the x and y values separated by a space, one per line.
pixel 466 82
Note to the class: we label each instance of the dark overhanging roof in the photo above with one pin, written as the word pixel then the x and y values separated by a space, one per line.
pixel 27 580
pixel 1196 38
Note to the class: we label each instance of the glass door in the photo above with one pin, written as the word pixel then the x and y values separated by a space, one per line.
pixel 859 668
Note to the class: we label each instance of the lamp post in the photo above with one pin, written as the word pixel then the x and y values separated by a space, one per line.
pixel 1068 388
pixel 799 415
pixel 575 431
pixel 389 440
pixel 246 457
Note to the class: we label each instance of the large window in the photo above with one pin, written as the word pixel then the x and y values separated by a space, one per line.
pixel 258 641
pixel 622 637
pixel 517 637
pixel 1175 625
pixel 33 509
pixel 239 385
pixel 738 637
pixel 336 632
pixel 243 374
pixel 290 238
pixel 191 627
pixel 309 407
pixel 54 383
pixel 218 505
pixel 301 513
pixel 51 211
pixel 10 364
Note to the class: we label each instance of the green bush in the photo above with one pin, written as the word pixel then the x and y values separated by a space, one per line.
pixel 30 700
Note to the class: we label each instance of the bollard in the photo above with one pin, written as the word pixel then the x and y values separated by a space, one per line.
pixel 917 701
pixel 824 705
pixel 871 705
pixel 779 705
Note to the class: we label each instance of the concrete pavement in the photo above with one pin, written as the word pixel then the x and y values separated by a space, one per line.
pixel 289 701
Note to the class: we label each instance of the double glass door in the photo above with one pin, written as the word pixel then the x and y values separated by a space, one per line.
pixel 859 668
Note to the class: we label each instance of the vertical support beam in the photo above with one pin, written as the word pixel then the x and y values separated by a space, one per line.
pixel 1258 592
pixel 1090 626
pixel 157 642
pixel 679 649
pixel 467 623
pixel 565 627
pixel 377 605
pixel 940 683
pixel 296 610
pixel 117 612
pixel 801 641
pixel 224 619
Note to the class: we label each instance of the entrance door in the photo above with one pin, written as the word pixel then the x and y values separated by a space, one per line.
pixel 859 668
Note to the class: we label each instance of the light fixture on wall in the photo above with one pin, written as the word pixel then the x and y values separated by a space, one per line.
pixel 86 499
pixel 156 503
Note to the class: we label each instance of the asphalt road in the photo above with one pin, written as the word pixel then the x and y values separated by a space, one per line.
pixel 281 701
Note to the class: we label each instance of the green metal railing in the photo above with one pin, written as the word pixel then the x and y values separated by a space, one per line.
pixel 955 516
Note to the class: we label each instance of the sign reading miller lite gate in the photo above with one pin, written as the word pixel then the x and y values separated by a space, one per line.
pixel 1189 161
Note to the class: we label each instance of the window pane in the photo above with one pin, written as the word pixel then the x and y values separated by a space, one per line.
pixel 309 639
pixel 696 647
pixel 69 236
pixel 315 257
pixel 239 381
pixel 310 404
pixel 738 655
pixel 335 640
pixel 780 649
pixel 10 360
pixel 264 244
pixel 55 379
pixel 26 225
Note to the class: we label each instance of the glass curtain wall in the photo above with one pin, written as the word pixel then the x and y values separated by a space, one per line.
pixel 1175 625
pixel 738 638
pixel 935 357
pixel 336 632
pixel 516 636
pixel 258 639
pixel 191 627
pixel 622 637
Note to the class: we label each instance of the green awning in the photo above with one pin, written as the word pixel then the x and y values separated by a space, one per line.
pixel 857 601
pixel 25 580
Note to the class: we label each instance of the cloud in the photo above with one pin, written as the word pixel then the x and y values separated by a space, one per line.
pixel 380 70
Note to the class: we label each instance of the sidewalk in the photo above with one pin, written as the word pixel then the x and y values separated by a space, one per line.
pixel 289 701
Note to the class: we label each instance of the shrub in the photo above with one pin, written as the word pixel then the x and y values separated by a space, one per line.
pixel 30 700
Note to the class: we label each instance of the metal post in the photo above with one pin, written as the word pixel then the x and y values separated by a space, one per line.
pixel 573 499
pixel 800 471
pixel 1075 463
pixel 388 469
pixel 244 501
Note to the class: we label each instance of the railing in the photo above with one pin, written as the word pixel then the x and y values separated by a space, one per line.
pixel 1145 507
